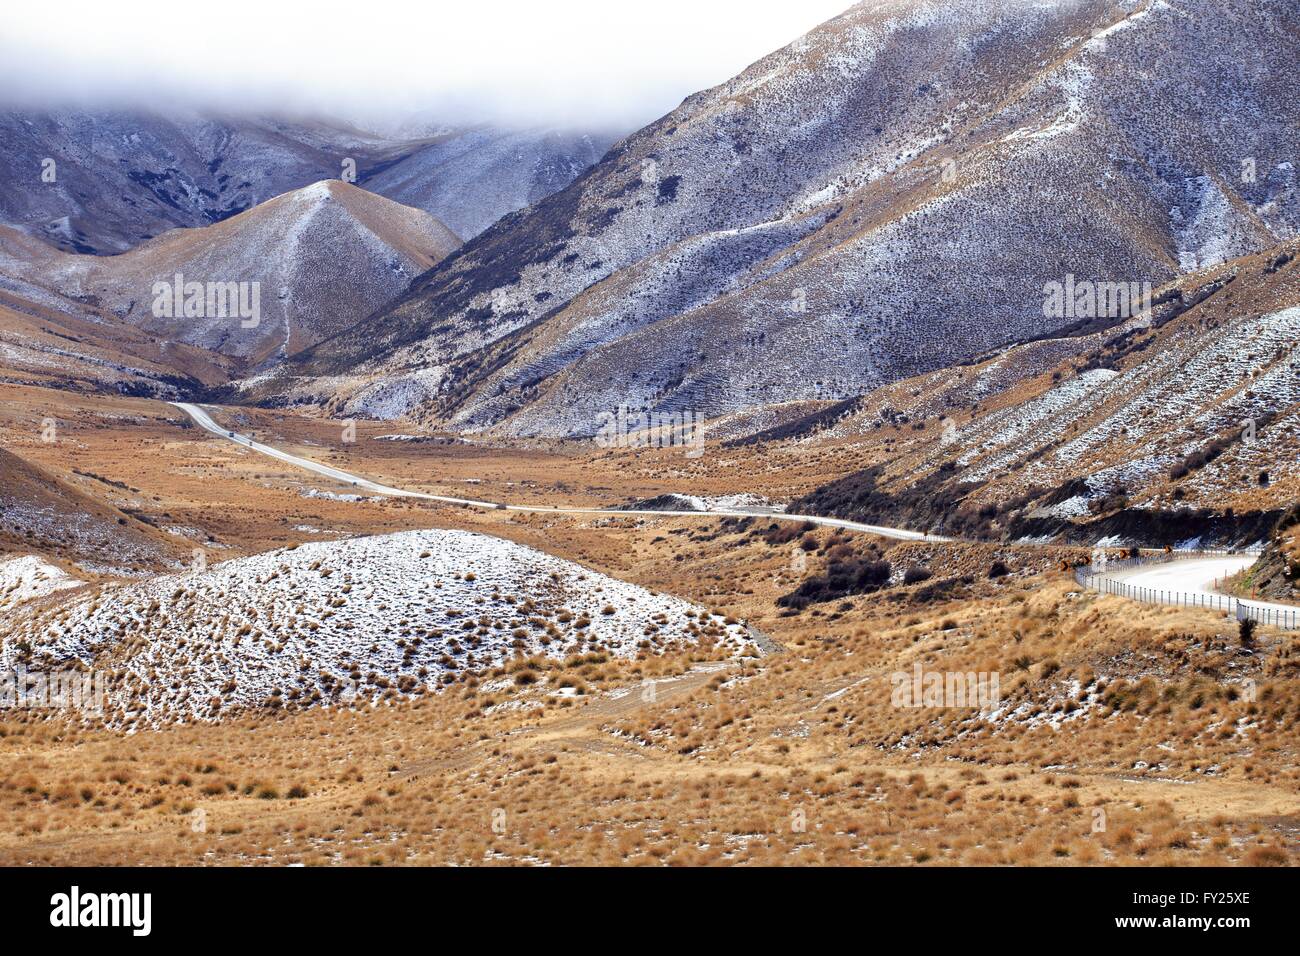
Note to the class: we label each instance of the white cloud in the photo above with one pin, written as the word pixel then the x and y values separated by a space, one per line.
pixel 580 60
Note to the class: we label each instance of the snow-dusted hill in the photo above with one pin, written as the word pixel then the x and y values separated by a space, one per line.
pixel 322 257
pixel 889 194
pixel 25 578
pixel 332 622
pixel 120 177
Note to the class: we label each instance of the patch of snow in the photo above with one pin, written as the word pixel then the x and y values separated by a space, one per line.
pixel 22 579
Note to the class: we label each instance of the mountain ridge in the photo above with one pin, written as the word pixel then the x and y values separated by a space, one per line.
pixel 103 181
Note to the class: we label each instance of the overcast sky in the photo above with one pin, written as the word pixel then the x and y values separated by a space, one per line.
pixel 589 62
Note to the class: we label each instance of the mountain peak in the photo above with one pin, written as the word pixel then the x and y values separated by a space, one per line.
pixel 322 190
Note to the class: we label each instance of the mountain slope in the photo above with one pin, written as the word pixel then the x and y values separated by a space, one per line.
pixel 41 513
pixel 47 338
pixel 323 257
pixel 1188 427
pixel 97 352
pixel 470 178
pixel 889 194
pixel 120 178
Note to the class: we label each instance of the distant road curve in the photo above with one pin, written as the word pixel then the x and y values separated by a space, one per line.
pixel 203 420
pixel 1191 581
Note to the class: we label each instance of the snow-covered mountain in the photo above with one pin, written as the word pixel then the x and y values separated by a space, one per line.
pixel 104 181
pixel 292 271
pixel 889 194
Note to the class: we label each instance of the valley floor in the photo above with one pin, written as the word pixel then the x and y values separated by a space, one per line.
pixel 1123 734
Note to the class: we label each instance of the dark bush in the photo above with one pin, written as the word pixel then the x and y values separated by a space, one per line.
pixel 915 575
pixel 857 575
pixel 783 532
pixel 1246 631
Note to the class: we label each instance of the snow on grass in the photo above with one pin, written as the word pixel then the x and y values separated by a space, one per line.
pixel 22 579
pixel 1075 507
pixel 739 501
pixel 346 622
pixel 94 540
pixel 1040 418
pixel 333 495
pixel 1196 386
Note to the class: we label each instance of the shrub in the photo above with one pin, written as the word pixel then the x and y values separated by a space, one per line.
pixel 1266 856
pixel 1246 631
pixel 915 575
pixel 857 575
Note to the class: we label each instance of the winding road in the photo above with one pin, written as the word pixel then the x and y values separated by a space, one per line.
pixel 1190 576
pixel 204 420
